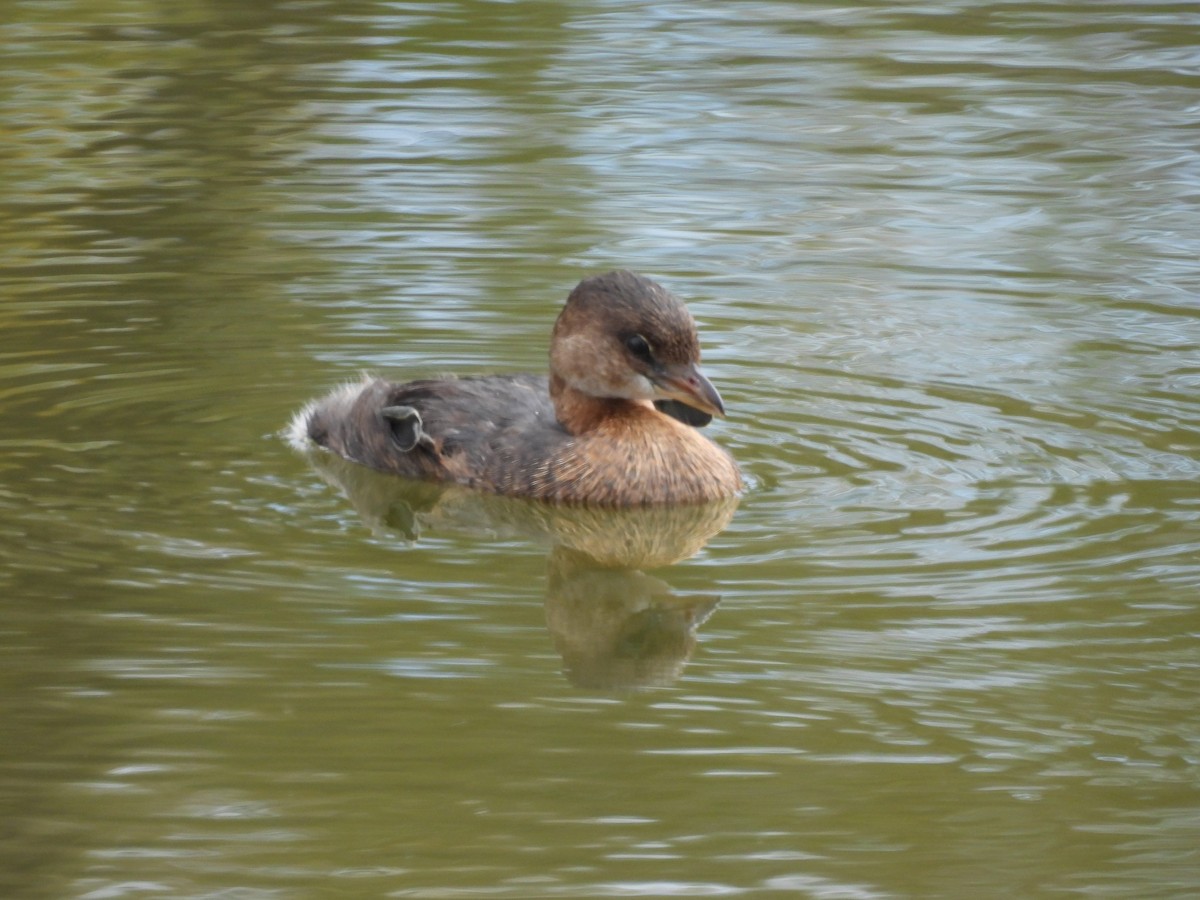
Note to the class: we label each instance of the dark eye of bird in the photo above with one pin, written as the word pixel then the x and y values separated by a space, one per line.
pixel 636 344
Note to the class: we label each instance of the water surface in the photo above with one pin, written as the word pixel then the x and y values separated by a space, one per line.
pixel 944 263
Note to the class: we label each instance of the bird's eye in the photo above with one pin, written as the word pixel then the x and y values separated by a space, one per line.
pixel 637 345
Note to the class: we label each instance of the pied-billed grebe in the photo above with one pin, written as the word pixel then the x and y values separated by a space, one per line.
pixel 590 433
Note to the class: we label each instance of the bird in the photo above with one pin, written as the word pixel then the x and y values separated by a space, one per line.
pixel 614 424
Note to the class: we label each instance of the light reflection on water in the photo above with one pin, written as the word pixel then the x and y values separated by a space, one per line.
pixel 944 265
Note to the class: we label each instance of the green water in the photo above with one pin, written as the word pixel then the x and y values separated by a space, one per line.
pixel 944 263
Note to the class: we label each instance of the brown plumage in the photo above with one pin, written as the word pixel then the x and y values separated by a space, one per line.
pixel 590 433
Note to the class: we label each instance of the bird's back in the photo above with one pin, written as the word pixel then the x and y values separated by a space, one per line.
pixel 465 427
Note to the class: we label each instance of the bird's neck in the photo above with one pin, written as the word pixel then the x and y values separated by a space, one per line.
pixel 580 413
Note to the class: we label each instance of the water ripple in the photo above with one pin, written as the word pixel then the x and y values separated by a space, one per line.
pixel 943 258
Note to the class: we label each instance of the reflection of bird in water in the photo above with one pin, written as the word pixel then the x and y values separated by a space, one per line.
pixel 615 627
pixel 619 629
pixel 590 433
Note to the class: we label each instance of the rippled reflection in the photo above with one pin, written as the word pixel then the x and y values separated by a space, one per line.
pixel 614 626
